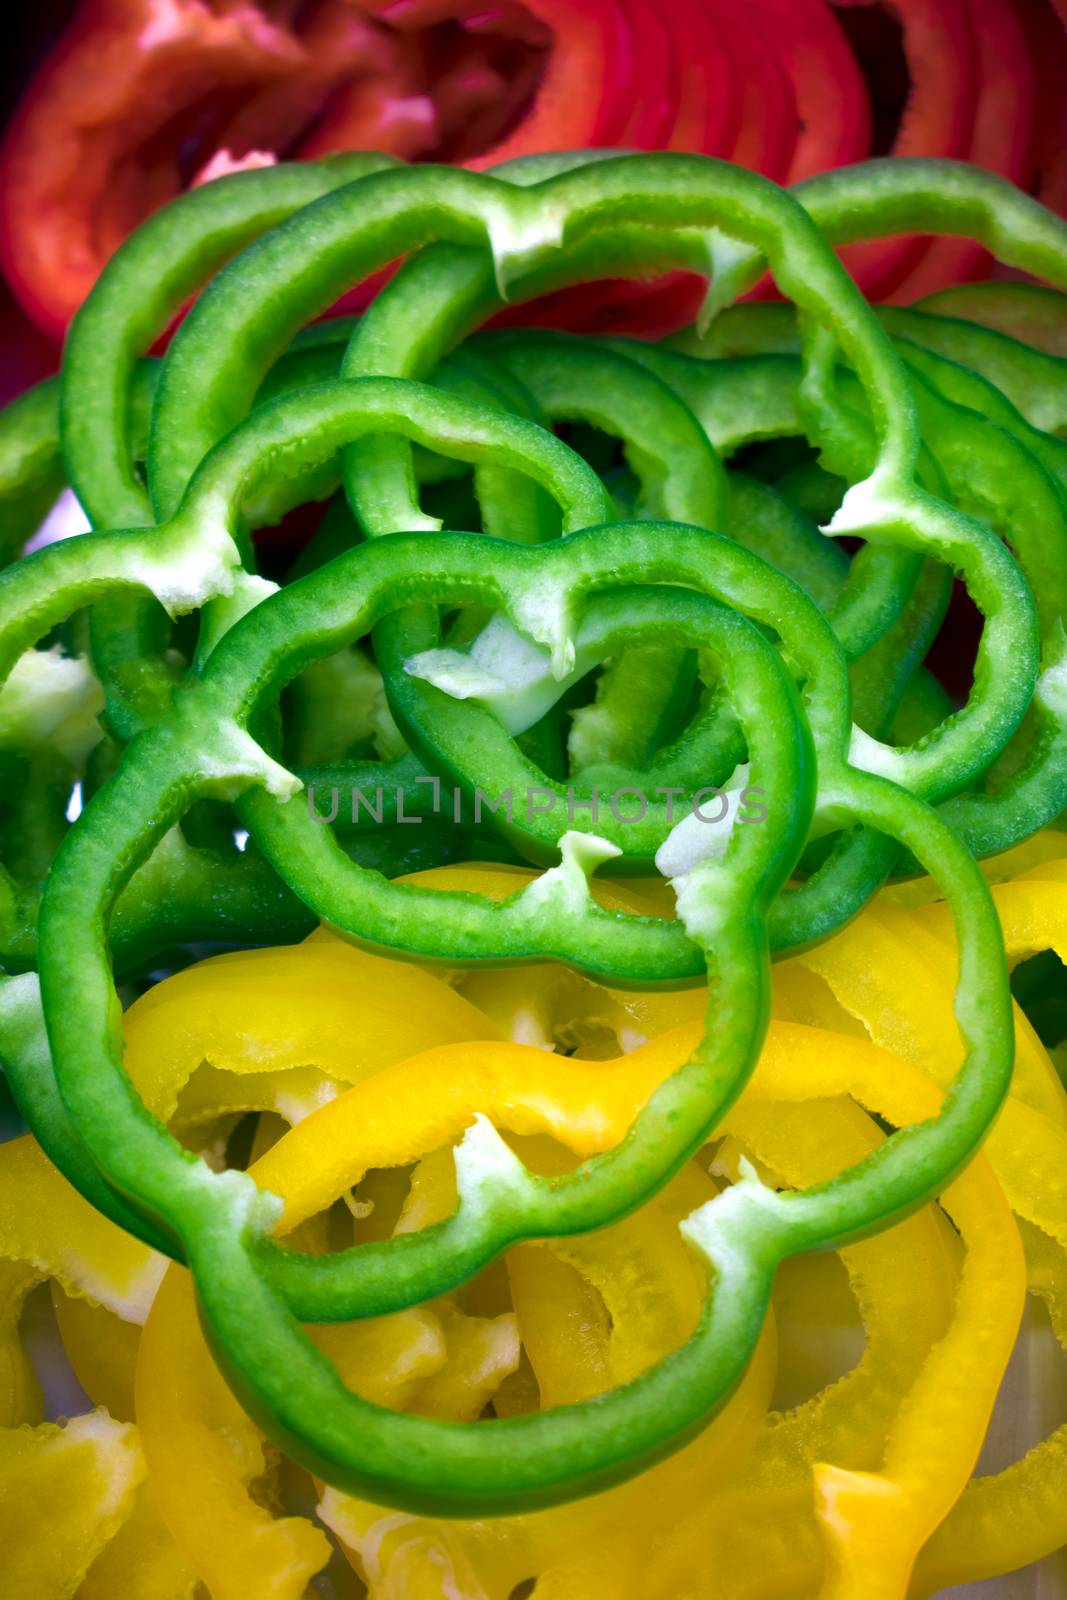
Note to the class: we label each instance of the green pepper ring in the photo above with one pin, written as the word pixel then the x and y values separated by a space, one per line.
pixel 441 1466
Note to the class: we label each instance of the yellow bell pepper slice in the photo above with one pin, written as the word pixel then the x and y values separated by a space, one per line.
pixel 322 1004
pixel 202 1454
pixel 64 1492
pixel 892 972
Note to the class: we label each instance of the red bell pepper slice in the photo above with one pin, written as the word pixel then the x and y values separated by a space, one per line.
pixel 938 119
pixel 577 100
pixel 336 46
pixel 650 98
pixel 832 106
pixel 708 113
pixel 1046 34
pixel 767 126
pixel 1001 139
pixel 118 81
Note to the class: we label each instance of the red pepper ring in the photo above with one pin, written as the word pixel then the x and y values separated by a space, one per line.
pixel 342 50
pixel 1046 34
pixel 767 128
pixel 120 79
pixel 1001 140
pixel 706 111
pixel 938 119
pixel 832 105
pixel 760 132
pixel 651 95
pixel 708 115
pixel 576 100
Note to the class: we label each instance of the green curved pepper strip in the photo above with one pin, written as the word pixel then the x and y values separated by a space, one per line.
pixel 398 1457
pixel 993 474
pixel 205 747
pixel 384 216
pixel 908 194
pixel 141 289
pixel 1029 312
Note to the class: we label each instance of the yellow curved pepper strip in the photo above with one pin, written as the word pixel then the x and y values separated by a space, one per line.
pixel 624 1296
pixel 75 1515
pixel 64 1492
pixel 1021 1146
pixel 762 1531
pixel 46 1224
pixel 1019 1515
pixel 760 1542
pixel 565 1573
pixel 101 1348
pixel 48 1231
pixel 1033 916
pixel 876 1523
pixel 1016 1516
pixel 903 1280
pixel 575 1549
pixel 891 971
pixel 191 1424
pixel 419 1105
pixel 903 1012
pixel 584 1105
pixel 141 1562
pixel 322 1004
pixel 173 1439
pixel 326 940
pixel 411 1107
pixel 1033 856
pixel 567 1364
pixel 646 1298
pixel 203 1453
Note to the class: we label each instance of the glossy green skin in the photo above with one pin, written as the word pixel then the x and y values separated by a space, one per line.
pixel 632 583
pixel 143 287
pixel 426 1463
pixel 440 295
pixel 426 307
pixel 218 314
pixel 1001 470
pixel 204 747
pixel 1028 312
pixel 445 291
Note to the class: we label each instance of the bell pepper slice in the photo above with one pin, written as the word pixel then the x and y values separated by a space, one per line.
pixel 832 107
pixel 938 119
pixel 262 1013
pixel 576 102
pixel 119 81
pixel 1000 141
pixel 64 1492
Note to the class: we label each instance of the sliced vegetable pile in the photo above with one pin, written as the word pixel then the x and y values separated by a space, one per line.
pixel 376 617
pixel 141 99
